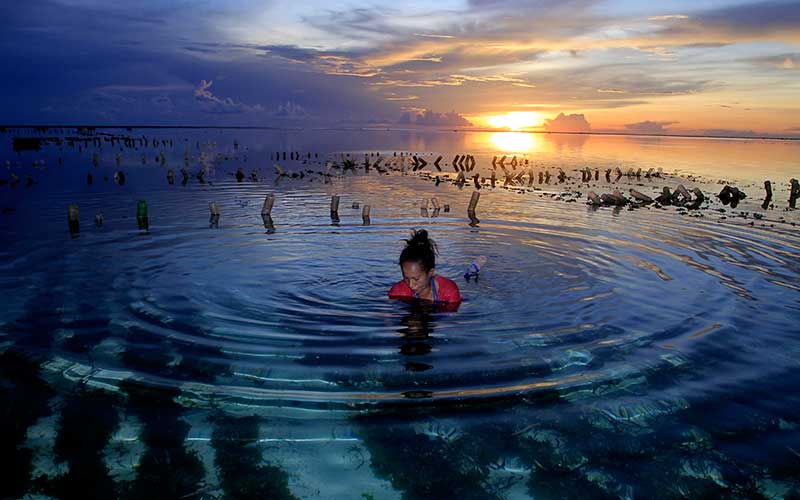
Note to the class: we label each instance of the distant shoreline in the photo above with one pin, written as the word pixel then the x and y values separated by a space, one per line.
pixel 389 129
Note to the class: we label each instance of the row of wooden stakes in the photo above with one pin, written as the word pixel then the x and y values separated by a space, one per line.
pixel 729 195
pixel 681 197
pixel 142 217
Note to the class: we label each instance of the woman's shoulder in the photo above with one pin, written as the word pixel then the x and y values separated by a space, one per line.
pixel 448 290
pixel 400 289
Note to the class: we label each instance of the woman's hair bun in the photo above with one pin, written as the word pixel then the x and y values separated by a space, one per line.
pixel 419 237
pixel 420 248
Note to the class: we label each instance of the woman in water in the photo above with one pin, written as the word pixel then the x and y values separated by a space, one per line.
pixel 418 264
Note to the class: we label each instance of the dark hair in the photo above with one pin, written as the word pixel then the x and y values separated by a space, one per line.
pixel 419 248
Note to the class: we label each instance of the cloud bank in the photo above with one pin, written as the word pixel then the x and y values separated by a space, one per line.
pixel 432 119
pixel 567 123
pixel 648 127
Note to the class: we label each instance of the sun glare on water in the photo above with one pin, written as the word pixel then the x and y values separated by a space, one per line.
pixel 515 121
pixel 514 142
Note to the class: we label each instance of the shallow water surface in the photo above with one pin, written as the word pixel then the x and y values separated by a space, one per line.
pixel 647 353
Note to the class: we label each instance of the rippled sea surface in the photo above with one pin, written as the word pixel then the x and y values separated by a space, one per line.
pixel 601 353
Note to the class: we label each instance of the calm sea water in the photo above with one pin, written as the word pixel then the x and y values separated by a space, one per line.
pixel 602 353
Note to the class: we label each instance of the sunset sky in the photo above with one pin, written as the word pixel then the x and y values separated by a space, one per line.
pixel 700 67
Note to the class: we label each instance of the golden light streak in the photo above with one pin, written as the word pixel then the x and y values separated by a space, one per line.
pixel 514 142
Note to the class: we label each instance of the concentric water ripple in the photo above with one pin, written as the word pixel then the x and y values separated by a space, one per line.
pixel 573 301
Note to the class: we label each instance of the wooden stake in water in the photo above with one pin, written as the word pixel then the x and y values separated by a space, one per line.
pixel 73 216
pixel 335 204
pixel 269 201
pixel 142 218
pixel 768 197
pixel 473 202
pixel 365 214
pixel 269 225
pixel 794 192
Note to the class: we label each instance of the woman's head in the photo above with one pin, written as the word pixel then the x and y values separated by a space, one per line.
pixel 418 261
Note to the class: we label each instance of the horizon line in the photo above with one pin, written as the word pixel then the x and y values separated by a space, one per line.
pixel 388 129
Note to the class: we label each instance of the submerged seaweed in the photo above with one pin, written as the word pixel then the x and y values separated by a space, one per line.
pixel 244 475
pixel 167 469
pixel 24 399
pixel 87 421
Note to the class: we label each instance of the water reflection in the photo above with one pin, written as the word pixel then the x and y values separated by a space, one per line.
pixel 515 142
pixel 269 225
pixel 416 328
pixel 567 141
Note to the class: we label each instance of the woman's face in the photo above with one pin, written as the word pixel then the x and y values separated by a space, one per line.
pixel 417 278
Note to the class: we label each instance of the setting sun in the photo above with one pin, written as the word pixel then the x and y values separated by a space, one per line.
pixel 516 120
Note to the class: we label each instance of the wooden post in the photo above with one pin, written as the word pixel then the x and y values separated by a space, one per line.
pixel 365 214
pixel 269 201
pixel 794 192
pixel 335 209
pixel 473 202
pixel 73 219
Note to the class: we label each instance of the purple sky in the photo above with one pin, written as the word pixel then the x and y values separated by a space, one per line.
pixel 669 66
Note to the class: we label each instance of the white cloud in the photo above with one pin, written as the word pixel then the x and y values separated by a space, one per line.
pixel 214 104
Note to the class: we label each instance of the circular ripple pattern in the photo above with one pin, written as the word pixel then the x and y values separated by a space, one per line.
pixel 573 302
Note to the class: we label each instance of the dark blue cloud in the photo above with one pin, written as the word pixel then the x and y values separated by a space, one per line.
pixel 82 64
pixel 742 21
